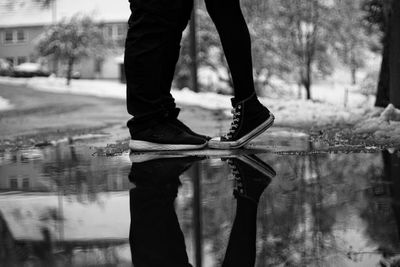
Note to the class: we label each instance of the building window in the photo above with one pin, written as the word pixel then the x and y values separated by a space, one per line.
pixel 13 183
pixel 21 60
pixel 111 31
pixel 8 37
pixel 120 30
pixel 15 36
pixel 114 31
pixel 98 66
pixel 25 183
pixel 21 36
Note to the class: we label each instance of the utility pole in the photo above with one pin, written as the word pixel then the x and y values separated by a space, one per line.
pixel 197 218
pixel 193 49
pixel 54 22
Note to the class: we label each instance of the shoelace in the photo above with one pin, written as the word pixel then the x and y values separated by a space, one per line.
pixel 235 122
pixel 236 175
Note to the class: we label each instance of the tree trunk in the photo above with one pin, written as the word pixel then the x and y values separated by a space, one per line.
pixel 353 68
pixel 307 85
pixel 353 75
pixel 70 69
pixel 307 82
pixel 394 59
pixel 55 65
pixel 382 95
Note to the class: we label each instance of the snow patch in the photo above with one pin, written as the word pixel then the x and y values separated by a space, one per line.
pixel 5 104
pixel 288 111
pixel 384 125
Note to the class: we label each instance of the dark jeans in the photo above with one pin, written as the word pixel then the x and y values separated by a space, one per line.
pixel 151 52
pixel 153 45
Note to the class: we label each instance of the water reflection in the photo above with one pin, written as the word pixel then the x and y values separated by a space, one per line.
pixel 62 206
pixel 156 237
pixel 58 207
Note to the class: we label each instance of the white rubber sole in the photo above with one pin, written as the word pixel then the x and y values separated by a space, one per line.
pixel 137 145
pixel 143 157
pixel 216 142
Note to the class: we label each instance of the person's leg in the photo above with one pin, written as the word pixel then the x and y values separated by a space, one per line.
pixel 151 52
pixel 175 46
pixel 235 38
pixel 153 30
pixel 251 118
pixel 171 60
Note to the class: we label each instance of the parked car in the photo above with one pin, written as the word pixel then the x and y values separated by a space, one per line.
pixel 76 75
pixel 30 70
pixel 5 68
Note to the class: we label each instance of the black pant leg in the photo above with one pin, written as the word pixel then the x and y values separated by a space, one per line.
pixel 151 52
pixel 235 39
pixel 175 47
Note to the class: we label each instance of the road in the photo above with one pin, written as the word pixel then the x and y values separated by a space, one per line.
pixel 42 117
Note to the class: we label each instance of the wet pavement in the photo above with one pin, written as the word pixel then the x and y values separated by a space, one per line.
pixel 295 205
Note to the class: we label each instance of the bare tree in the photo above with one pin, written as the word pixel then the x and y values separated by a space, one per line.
pixel 71 40
pixel 305 25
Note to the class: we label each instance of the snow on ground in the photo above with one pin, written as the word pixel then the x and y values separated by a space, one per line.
pixel 328 110
pixel 384 125
pixel 5 104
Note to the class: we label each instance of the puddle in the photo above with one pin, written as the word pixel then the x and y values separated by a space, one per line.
pixel 63 206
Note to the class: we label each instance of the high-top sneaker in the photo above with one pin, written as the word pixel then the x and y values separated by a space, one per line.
pixel 159 172
pixel 252 176
pixel 164 136
pixel 250 119
pixel 173 118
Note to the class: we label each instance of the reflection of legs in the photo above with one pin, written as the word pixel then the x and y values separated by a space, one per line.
pixel 155 235
pixel 235 38
pixel 252 176
pixel 241 249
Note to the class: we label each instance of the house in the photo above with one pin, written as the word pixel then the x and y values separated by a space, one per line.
pixel 22 22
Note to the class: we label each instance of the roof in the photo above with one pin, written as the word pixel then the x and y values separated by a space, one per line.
pixel 16 13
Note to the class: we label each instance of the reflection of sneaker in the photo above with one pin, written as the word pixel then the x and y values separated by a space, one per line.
pixel 139 157
pixel 160 172
pixel 252 176
pixel 250 119
pixel 164 136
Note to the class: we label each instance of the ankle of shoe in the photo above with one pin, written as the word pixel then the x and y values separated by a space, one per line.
pixel 252 103
pixel 236 102
pixel 139 126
